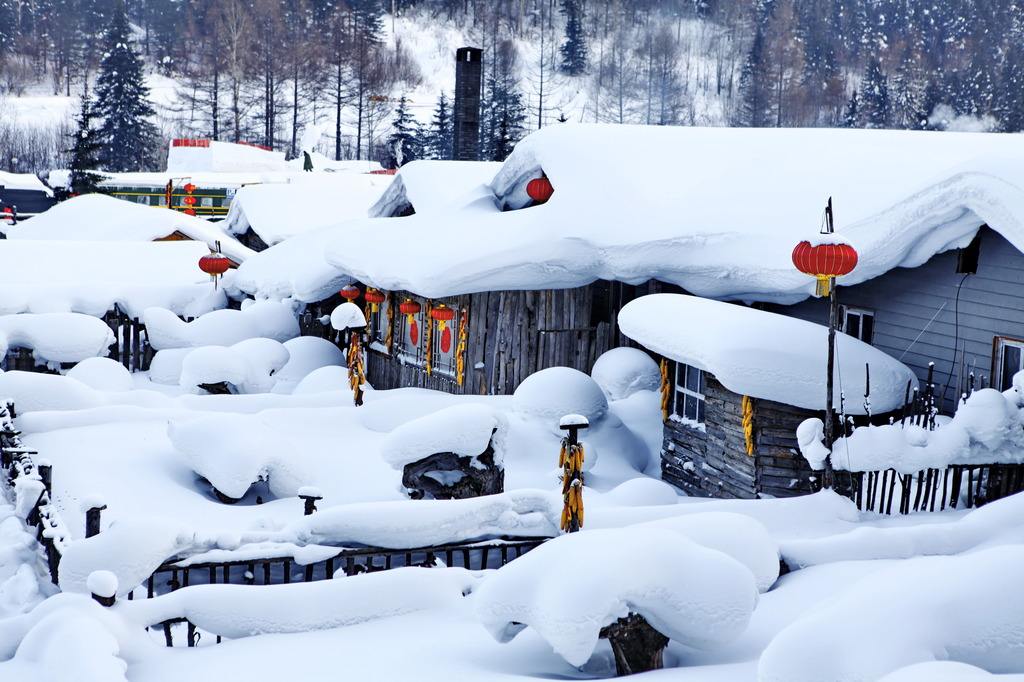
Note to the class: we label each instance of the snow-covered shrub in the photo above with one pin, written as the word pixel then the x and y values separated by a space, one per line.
pixel 555 392
pixel 56 337
pixel 247 367
pixel 330 378
pixel 166 366
pixel 266 319
pixel 640 492
pixel 965 608
pixel 306 354
pixel 621 372
pixel 103 374
pixel 465 430
pixel 570 587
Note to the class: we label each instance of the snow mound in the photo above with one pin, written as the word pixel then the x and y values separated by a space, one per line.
pixel 32 391
pixel 946 671
pixel 975 616
pixel 552 393
pixel 781 361
pixel 247 367
pixel 329 378
pixel 987 428
pixel 265 319
pixel 306 354
pixel 102 583
pixel 465 430
pixel 103 374
pixel 641 492
pixel 56 337
pixel 570 587
pixel 165 367
pixel 621 372
pixel 348 316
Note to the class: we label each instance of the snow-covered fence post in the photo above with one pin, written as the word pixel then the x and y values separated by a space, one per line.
pixel 309 496
pixel 92 518
pixel 103 587
pixel 570 460
pixel 45 470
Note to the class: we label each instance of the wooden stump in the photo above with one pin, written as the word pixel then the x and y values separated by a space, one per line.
pixel 637 646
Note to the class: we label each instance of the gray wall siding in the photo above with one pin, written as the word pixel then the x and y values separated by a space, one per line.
pixel 905 301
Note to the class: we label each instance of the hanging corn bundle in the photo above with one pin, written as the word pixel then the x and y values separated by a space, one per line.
pixel 356 373
pixel 460 349
pixel 666 391
pixel 748 423
pixel 428 350
pixel 570 460
pixel 389 336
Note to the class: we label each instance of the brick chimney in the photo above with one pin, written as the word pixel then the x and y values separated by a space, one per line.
pixel 466 107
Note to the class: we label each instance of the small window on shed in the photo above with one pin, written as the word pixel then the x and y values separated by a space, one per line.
pixel 857 322
pixel 1008 360
pixel 688 404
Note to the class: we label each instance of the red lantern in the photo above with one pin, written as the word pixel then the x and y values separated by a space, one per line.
pixel 189 211
pixel 375 297
pixel 189 201
pixel 214 264
pixel 442 314
pixel 824 262
pixel 410 309
pixel 350 292
pixel 540 189
pixel 189 188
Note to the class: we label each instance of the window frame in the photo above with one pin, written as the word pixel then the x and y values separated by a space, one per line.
pixel 844 315
pixel 999 344
pixel 680 388
pixel 377 330
pixel 448 367
pixel 415 356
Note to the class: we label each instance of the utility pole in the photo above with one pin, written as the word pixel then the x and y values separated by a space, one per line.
pixel 833 315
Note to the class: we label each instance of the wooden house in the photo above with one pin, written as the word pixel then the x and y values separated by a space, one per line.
pixel 22 195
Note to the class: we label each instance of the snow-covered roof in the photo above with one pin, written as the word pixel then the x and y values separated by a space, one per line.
pixel 96 217
pixel 762 354
pixel 212 155
pixel 428 186
pixel 26 181
pixel 294 268
pixel 715 210
pixel 90 277
pixel 277 211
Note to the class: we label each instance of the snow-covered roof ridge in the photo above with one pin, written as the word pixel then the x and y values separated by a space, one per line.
pixel 428 185
pixel 764 355
pixel 97 217
pixel 722 224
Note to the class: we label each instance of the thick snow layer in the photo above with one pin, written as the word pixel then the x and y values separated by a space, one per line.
pixel 91 277
pixel 963 608
pixel 260 319
pixel 465 430
pixel 278 211
pixel 97 217
pixel 762 354
pixel 223 157
pixel 427 186
pixel 995 523
pixel 348 316
pixel 236 611
pixel 900 198
pixel 306 354
pixel 55 337
pixel 987 428
pixel 552 393
pixel 572 586
pixel 102 374
pixel 27 181
pixel 330 378
pixel 247 366
pixel 946 671
pixel 621 372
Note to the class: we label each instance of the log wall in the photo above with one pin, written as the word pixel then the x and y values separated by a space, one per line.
pixel 714 463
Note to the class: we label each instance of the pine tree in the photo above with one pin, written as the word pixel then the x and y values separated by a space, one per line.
pixel 127 136
pixel 574 49
pixel 404 144
pixel 851 117
pixel 1009 104
pixel 439 139
pixel 504 112
pixel 875 105
pixel 8 27
pixel 85 150
pixel 755 109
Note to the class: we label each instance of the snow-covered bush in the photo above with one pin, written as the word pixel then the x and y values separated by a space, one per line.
pixel 247 367
pixel 621 372
pixel 555 392
pixel 306 354
pixel 465 430
pixel 571 587
pixel 266 319
pixel 330 378
pixel 103 374
pixel 965 608
pixel 55 337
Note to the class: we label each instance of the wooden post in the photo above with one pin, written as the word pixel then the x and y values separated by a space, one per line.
pixel 636 645
pixel 572 472
pixel 309 497
pixel 92 520
pixel 833 315
pixel 46 475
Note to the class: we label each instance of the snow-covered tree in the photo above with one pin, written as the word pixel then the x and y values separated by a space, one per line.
pixel 85 151
pixel 875 104
pixel 755 107
pixel 504 113
pixel 127 135
pixel 403 144
pixel 574 49
pixel 851 116
pixel 439 140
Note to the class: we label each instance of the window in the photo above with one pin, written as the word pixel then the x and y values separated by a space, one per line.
pixel 1008 360
pixel 689 393
pixel 142 199
pixel 410 342
pixel 857 322
pixel 379 326
pixel 206 202
pixel 444 343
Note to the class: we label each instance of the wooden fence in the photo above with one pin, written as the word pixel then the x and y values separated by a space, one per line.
pixel 131 341
pixel 931 489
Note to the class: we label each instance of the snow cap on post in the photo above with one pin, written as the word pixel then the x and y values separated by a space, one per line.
pixel 348 316
pixel 103 587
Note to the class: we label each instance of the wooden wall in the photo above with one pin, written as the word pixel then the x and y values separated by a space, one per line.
pixel 512 334
pixel 715 463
